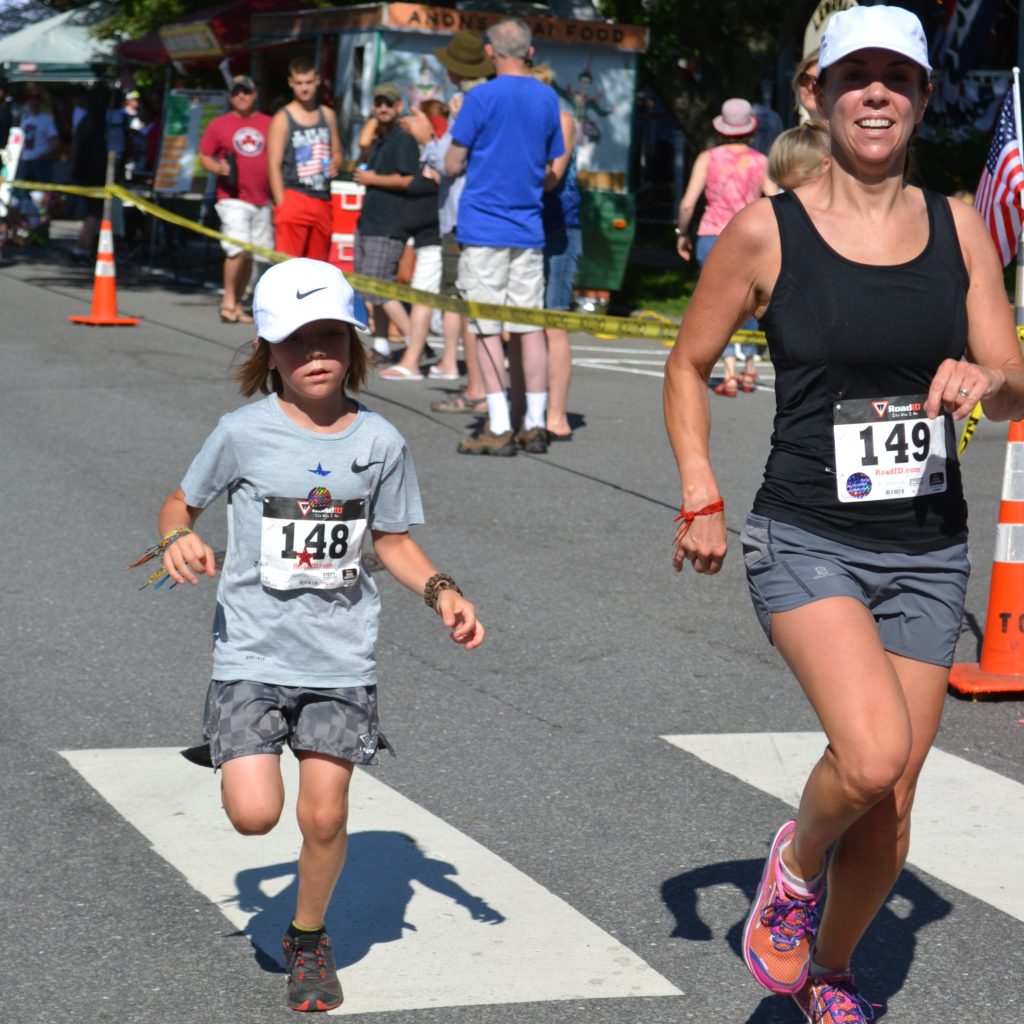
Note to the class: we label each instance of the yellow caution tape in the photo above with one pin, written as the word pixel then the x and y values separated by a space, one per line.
pixel 970 425
pixel 662 329
pixel 90 191
pixel 644 324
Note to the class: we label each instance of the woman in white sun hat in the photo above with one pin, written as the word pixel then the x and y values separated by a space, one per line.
pixel 729 176
pixel 887 320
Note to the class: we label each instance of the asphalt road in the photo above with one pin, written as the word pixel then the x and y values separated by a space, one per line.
pixel 545 747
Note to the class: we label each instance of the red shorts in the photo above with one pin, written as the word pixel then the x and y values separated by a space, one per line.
pixel 302 226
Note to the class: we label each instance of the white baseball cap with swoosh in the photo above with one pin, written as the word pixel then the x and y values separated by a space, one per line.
pixel 292 294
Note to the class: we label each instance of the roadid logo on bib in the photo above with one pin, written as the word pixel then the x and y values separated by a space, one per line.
pixel 887 448
pixel 313 543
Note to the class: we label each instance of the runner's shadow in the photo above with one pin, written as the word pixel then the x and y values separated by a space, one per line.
pixel 369 904
pixel 885 953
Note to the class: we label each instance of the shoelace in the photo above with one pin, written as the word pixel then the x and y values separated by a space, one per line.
pixel 789 920
pixel 844 1004
pixel 307 951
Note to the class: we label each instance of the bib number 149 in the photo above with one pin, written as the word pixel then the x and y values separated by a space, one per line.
pixel 901 448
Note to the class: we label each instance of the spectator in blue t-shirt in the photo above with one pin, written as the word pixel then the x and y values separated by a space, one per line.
pixel 506 137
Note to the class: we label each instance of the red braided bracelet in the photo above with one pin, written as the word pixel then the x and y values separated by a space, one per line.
pixel 707 510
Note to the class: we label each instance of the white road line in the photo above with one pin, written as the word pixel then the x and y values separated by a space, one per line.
pixel 424 916
pixel 968 821
pixel 615 367
pixel 604 349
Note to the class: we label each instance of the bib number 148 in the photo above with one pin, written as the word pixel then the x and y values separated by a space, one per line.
pixel 317 542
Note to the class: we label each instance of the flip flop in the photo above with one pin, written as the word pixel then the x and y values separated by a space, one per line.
pixel 460 404
pixel 435 374
pixel 398 373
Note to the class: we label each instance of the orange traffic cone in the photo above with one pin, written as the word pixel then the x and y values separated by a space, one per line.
pixel 104 288
pixel 1001 669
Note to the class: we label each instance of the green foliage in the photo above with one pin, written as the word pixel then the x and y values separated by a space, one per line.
pixel 133 19
pixel 949 165
pixel 662 289
pixel 704 51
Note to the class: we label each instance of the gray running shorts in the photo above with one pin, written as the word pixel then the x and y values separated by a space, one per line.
pixel 245 717
pixel 916 599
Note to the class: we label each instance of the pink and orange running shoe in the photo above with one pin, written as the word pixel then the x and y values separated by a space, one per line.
pixel 833 999
pixel 780 930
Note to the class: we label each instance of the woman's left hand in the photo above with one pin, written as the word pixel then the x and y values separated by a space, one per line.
pixel 959 385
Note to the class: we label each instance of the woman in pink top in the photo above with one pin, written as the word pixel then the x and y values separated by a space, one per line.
pixel 730 175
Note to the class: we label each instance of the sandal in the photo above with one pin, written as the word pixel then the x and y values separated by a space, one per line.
pixel 461 404
pixel 749 381
pixel 398 372
pixel 234 316
pixel 727 388
pixel 435 374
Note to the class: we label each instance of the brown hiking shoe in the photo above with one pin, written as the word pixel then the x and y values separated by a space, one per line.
pixel 486 443
pixel 534 441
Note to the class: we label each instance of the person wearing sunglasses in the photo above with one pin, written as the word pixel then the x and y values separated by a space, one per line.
pixel 234 147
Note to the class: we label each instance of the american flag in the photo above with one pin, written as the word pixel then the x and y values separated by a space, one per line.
pixel 311 159
pixel 1000 195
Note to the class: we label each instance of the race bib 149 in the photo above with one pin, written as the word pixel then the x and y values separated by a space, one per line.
pixel 887 448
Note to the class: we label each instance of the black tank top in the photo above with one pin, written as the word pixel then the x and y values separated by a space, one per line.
pixel 843 330
pixel 307 152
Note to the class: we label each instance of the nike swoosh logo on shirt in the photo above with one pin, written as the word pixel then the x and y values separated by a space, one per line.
pixel 303 295
pixel 356 468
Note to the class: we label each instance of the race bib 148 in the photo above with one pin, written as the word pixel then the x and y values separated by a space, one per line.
pixel 313 542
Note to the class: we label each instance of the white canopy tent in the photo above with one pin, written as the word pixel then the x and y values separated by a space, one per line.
pixel 60 48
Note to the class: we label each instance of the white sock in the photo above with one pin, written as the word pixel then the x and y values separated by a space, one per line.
pixel 382 346
pixel 536 406
pixel 498 413
pixel 817 971
pixel 796 885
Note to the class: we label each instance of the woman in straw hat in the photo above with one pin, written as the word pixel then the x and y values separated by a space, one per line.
pixel 730 176
pixel 887 320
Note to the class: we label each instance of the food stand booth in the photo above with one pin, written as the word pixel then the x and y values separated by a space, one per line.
pixel 595 64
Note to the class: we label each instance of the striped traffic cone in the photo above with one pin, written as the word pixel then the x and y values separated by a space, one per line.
pixel 104 288
pixel 1001 669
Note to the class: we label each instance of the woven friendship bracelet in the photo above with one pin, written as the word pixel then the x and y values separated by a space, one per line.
pixel 170 538
pixel 160 576
pixel 438 582
pixel 707 510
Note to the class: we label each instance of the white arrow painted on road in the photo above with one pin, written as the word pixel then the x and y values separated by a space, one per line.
pixel 424 916
pixel 968 825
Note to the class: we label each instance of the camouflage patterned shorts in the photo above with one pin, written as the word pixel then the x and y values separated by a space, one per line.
pixel 245 717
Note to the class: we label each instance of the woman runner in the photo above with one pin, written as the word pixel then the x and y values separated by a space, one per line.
pixel 886 320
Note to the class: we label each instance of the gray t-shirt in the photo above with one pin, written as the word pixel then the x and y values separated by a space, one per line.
pixel 295 606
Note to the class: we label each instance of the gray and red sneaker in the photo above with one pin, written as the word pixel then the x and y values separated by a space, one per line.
pixel 312 974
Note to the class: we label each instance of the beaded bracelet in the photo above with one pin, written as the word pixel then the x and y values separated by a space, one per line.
pixel 707 510
pixel 433 587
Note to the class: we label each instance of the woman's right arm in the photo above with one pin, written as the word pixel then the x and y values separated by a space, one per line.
pixel 733 285
pixel 694 190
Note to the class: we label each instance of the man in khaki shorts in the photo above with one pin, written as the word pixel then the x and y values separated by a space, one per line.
pixel 234 147
pixel 506 136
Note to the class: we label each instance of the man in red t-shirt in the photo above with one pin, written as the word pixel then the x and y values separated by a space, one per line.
pixel 234 148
